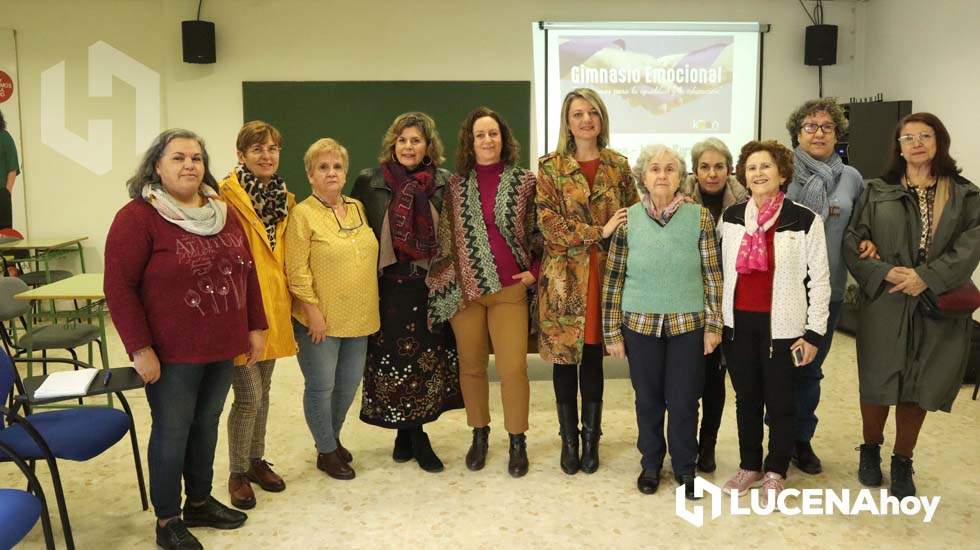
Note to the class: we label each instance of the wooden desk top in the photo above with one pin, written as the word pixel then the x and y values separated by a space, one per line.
pixel 40 244
pixel 84 286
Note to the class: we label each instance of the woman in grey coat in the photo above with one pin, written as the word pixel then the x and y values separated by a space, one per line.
pixel 925 220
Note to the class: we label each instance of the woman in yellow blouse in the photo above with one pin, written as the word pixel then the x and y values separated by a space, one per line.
pixel 331 262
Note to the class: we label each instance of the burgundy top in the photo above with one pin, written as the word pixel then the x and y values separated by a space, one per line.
pixel 488 180
pixel 194 299
pixel 753 291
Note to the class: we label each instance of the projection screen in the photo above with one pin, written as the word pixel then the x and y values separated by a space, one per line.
pixel 674 83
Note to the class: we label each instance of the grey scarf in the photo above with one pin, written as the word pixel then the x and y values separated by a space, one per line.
pixel 205 221
pixel 817 179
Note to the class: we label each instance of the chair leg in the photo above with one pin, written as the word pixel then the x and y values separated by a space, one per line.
pixel 59 496
pixel 44 365
pixel 45 521
pixel 136 453
pixel 976 388
pixel 74 357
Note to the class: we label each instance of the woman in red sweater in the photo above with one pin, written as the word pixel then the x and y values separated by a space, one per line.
pixel 181 285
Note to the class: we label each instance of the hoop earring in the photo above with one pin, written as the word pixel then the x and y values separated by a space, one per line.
pixel 426 161
pixel 393 158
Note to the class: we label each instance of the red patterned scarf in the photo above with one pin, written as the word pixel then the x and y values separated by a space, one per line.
pixel 752 253
pixel 413 233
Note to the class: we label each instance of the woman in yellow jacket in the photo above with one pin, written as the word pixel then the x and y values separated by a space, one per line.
pixel 257 195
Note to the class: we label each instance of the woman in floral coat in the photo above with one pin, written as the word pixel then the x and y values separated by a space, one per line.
pixel 583 191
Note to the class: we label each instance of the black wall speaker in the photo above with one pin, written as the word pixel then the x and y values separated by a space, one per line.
pixel 821 45
pixel 198 39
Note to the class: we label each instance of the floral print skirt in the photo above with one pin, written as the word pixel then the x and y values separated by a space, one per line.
pixel 412 374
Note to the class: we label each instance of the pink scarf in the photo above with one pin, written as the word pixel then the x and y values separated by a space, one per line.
pixel 752 254
pixel 662 215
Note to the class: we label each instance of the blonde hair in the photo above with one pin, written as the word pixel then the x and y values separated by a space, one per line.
pixel 566 142
pixel 433 143
pixel 324 146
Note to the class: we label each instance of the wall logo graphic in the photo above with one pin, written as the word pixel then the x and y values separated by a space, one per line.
pixel 806 502
pixel 104 63
pixel 6 87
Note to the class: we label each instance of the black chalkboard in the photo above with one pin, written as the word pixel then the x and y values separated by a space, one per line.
pixel 357 114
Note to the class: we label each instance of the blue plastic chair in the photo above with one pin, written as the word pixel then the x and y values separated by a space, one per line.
pixel 20 510
pixel 78 434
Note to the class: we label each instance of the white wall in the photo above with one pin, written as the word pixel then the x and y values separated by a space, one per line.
pixel 307 40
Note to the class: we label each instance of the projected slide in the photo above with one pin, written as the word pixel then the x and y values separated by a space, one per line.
pixel 671 83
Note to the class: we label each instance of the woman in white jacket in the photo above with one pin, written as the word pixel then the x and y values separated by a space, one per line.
pixel 774 306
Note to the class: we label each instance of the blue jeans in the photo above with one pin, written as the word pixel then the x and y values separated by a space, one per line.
pixel 332 371
pixel 185 405
pixel 806 382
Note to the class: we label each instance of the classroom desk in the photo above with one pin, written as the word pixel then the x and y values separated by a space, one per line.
pixel 85 286
pixel 45 250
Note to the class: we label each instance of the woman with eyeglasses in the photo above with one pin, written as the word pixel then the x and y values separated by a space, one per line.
pixel 915 302
pixel 823 183
pixel 257 195
pixel 331 256
pixel 412 372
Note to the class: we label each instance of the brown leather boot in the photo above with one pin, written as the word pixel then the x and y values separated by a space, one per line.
pixel 240 491
pixel 344 453
pixel 261 473
pixel 334 465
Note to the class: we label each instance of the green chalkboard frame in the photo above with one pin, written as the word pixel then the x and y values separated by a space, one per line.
pixel 357 114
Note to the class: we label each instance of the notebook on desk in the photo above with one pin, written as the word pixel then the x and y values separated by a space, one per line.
pixel 66 384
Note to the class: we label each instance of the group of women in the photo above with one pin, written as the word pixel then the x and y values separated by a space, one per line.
pixel 417 276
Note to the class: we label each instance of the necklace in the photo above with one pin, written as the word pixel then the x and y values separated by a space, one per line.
pixel 910 185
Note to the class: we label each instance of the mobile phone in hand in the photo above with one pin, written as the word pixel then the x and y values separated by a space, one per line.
pixel 797 355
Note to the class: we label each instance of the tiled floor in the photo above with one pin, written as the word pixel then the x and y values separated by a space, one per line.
pixel 393 505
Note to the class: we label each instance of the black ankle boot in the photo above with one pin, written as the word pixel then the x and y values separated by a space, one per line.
pixel 805 459
pixel 869 468
pixel 591 430
pixel 706 456
pixel 568 430
pixel 901 477
pixel 517 465
pixel 403 446
pixel 423 453
pixel 476 457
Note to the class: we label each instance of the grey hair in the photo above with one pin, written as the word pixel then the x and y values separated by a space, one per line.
pixel 147 174
pixel 649 154
pixel 710 144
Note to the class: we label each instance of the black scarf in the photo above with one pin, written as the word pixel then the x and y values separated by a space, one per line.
pixel 269 200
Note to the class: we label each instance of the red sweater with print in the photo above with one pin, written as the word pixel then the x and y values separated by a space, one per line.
pixel 194 299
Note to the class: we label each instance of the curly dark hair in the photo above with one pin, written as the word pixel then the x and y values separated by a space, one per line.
pixel 465 156
pixel 827 104
pixel 782 156
pixel 943 165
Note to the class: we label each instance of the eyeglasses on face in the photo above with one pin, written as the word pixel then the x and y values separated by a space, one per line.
pixel 258 150
pixel 811 127
pixel 909 139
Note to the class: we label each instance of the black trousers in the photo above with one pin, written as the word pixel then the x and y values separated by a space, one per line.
pixel 713 398
pixel 762 374
pixel 668 375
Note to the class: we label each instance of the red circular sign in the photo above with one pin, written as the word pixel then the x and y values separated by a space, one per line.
pixel 6 87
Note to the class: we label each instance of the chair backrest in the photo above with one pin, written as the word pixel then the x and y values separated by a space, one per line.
pixel 11 308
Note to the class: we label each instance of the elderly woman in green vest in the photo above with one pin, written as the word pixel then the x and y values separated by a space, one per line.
pixel 661 310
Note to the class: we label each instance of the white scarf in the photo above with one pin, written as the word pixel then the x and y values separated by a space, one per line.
pixel 204 221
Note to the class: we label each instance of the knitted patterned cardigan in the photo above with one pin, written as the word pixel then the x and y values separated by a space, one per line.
pixel 465 268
